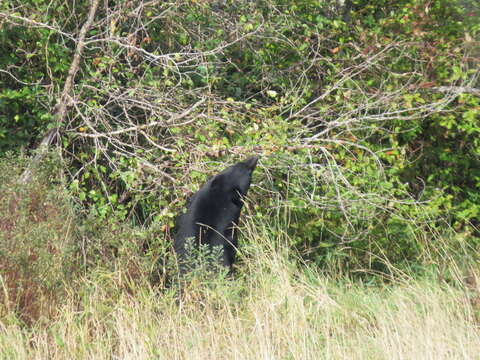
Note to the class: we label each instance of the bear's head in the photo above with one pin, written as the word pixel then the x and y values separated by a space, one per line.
pixel 235 180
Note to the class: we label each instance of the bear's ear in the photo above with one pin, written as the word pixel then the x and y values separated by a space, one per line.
pixel 218 181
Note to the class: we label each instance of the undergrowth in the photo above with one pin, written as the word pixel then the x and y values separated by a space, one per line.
pixel 74 288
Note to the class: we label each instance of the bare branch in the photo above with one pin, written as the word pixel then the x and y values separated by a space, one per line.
pixel 457 90
pixel 19 20
pixel 170 122
pixel 61 107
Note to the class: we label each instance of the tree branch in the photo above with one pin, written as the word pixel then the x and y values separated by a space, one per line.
pixel 457 90
pixel 62 104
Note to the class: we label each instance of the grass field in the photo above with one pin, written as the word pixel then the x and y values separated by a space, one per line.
pixel 273 309
pixel 63 295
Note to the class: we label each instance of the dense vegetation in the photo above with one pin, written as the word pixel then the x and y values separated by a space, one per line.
pixel 366 116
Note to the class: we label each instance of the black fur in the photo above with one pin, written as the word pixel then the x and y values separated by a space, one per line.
pixel 213 213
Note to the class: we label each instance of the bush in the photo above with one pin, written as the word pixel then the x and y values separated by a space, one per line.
pixel 365 116
pixel 39 247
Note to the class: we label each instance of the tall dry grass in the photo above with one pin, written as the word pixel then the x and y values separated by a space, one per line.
pixel 274 309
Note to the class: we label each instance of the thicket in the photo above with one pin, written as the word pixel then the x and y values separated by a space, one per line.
pixel 365 115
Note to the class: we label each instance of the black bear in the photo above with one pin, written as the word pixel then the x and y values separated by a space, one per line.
pixel 213 213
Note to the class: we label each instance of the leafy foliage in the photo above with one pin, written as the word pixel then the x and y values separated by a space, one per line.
pixel 366 114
